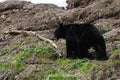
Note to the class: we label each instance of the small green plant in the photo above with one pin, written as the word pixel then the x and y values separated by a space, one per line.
pixel 103 28
pixel 53 71
pixel 84 65
pixel 116 52
pixel 114 62
pixel 46 51
pixel 67 64
pixel 15 65
pixel 19 57
pixel 3 66
pixel 78 63
pixel 5 51
pixel 61 77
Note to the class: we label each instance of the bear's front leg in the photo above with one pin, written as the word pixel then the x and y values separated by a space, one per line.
pixel 71 50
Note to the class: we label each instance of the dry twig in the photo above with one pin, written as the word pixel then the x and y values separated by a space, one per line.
pixel 16 32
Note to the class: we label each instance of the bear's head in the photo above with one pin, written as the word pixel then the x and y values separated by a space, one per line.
pixel 59 32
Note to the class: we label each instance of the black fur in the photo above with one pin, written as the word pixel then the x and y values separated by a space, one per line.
pixel 81 37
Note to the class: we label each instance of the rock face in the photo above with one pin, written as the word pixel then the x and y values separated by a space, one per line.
pixel 105 10
pixel 79 3
pixel 28 16
pixel 97 11
pixel 22 15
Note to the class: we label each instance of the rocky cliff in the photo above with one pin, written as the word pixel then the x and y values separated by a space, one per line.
pixel 29 16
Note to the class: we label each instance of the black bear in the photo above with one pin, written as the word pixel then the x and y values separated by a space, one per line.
pixel 80 38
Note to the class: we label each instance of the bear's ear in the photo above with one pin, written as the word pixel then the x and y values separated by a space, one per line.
pixel 61 25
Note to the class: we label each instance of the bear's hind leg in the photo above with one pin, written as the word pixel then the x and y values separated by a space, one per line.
pixel 101 52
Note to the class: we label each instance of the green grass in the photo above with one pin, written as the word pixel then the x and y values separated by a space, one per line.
pixel 61 77
pixel 103 28
pixel 17 64
pixel 6 51
pixel 59 69
pixel 40 50
pixel 114 62
pixel 43 73
pixel 83 65
pixel 116 52
pixel 3 66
